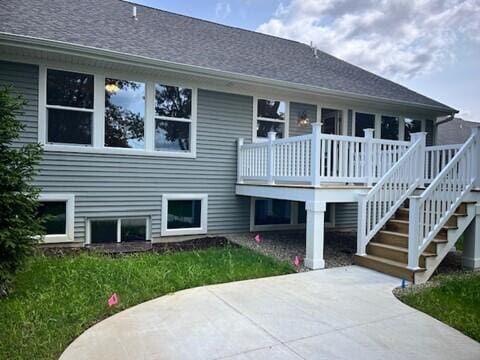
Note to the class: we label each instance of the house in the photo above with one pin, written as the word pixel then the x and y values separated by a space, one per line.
pixel 455 131
pixel 157 125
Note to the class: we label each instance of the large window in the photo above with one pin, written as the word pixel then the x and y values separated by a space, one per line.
pixel 117 230
pixel 363 121
pixel 412 126
pixel 389 127
pixel 272 211
pixel 69 106
pixel 57 210
pixel 270 117
pixel 184 214
pixel 124 113
pixel 173 113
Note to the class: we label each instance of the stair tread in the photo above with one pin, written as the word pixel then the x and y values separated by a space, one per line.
pixel 405 222
pixel 460 214
pixel 401 249
pixel 388 232
pixel 394 263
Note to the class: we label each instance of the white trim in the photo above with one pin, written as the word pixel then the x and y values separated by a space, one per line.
pixel 98 118
pixel 69 200
pixel 88 232
pixel 186 231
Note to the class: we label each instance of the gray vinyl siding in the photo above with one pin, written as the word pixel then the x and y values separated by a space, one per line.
pixel 24 81
pixel 295 110
pixel 346 216
pixel 128 186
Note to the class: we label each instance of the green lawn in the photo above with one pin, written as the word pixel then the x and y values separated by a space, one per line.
pixel 455 301
pixel 57 298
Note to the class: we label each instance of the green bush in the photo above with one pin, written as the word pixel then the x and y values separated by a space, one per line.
pixel 19 224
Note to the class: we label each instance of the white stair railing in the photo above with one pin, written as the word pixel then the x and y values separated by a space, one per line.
pixel 377 206
pixel 430 211
pixel 436 158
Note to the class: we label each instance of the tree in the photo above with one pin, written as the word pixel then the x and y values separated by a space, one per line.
pixel 19 224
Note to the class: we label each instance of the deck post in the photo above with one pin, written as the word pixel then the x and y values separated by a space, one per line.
pixel 316 153
pixel 240 143
pixel 315 234
pixel 270 158
pixel 369 156
pixel 476 133
pixel 422 136
pixel 361 225
pixel 471 246
pixel 413 232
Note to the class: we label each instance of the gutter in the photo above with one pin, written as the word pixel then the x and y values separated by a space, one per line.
pixel 10 39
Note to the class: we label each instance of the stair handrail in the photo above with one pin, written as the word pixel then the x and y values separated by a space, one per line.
pixel 378 205
pixel 430 211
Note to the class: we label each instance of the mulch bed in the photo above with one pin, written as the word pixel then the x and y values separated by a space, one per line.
pixel 140 246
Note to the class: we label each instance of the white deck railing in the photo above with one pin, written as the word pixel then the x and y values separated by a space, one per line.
pixel 436 158
pixel 430 211
pixel 377 206
pixel 318 158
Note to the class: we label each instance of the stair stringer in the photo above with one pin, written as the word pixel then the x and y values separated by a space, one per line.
pixel 452 237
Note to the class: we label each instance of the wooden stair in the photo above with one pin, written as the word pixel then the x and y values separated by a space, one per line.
pixel 387 252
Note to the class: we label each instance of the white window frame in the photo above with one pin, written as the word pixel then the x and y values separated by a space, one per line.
pixel 69 200
pixel 294 207
pixel 98 127
pixel 185 231
pixel 256 118
pixel 43 109
pixel 88 239
pixel 193 115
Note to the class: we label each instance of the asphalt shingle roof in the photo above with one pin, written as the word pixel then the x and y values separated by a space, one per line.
pixel 157 34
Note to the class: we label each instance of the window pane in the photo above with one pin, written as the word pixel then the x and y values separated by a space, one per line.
pixel 331 119
pixel 55 213
pixel 363 121
pixel 103 231
pixel 69 127
pixel 271 109
pixel 134 229
pixel 67 88
pixel 172 135
pixel 124 113
pixel 184 214
pixel 263 128
pixel 271 211
pixel 173 101
pixel 389 127
pixel 412 126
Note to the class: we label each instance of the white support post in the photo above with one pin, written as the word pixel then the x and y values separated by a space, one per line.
pixel 316 153
pixel 413 232
pixel 362 224
pixel 315 234
pixel 476 133
pixel 422 136
pixel 270 157
pixel 471 245
pixel 240 143
pixel 369 155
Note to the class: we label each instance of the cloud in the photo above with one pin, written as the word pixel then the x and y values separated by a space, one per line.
pixel 222 9
pixel 398 38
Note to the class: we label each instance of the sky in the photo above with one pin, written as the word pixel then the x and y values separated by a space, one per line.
pixel 430 46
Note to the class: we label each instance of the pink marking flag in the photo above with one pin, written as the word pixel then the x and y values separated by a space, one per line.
pixel 296 261
pixel 258 238
pixel 113 300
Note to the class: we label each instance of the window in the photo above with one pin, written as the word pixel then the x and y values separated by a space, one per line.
pixel 117 230
pixel 389 127
pixel 58 212
pixel 69 106
pixel 124 114
pixel 184 214
pixel 272 211
pixel 362 122
pixel 412 126
pixel 331 121
pixel 270 117
pixel 173 112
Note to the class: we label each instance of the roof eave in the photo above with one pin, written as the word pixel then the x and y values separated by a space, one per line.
pixel 82 50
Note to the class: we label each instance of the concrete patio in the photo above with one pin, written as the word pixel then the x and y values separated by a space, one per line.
pixel 339 313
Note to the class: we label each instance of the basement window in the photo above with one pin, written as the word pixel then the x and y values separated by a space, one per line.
pixel 184 214
pixel 57 210
pixel 117 230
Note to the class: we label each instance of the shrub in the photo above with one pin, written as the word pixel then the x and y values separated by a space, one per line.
pixel 19 224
